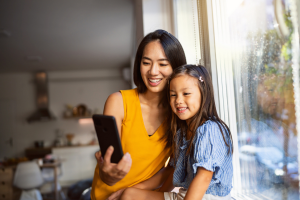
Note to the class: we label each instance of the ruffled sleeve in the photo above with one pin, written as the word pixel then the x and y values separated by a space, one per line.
pixel 208 147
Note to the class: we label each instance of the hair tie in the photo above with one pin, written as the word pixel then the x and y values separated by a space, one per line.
pixel 200 79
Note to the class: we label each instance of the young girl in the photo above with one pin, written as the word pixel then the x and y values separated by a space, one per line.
pixel 202 147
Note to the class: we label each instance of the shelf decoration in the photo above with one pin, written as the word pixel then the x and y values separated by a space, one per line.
pixel 80 111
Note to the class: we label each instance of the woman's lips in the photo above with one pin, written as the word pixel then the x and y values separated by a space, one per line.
pixel 154 82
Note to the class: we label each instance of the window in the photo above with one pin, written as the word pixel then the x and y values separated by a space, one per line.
pixel 255 63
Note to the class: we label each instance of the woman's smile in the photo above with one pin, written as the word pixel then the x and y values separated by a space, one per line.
pixel 154 81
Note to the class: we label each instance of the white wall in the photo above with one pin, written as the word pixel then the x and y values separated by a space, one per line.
pixel 17 102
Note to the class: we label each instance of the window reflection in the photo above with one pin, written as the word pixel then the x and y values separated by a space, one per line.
pixel 261 33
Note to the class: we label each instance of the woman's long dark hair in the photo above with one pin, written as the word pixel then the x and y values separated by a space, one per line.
pixel 206 112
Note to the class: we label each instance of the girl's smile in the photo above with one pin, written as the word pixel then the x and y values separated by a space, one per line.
pixel 181 109
pixel 185 96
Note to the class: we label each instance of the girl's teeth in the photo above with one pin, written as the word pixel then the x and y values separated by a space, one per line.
pixel 154 80
pixel 180 109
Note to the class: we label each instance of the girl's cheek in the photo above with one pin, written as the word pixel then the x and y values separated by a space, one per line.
pixel 173 109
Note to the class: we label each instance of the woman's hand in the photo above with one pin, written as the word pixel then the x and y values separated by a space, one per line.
pixel 116 195
pixel 111 173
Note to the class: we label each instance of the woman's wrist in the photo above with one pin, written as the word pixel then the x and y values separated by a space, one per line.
pixel 105 180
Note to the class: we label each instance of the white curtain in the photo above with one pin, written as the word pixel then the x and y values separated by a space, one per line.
pixel 187 28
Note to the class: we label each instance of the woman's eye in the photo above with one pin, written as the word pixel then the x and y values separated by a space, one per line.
pixel 145 63
pixel 172 95
pixel 186 93
pixel 163 65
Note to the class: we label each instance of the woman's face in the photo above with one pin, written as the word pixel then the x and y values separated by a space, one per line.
pixel 155 67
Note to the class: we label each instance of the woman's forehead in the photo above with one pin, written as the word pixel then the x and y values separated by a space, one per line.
pixel 155 50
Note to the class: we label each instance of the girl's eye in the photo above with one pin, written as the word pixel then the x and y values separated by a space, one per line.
pixel 145 63
pixel 172 95
pixel 186 93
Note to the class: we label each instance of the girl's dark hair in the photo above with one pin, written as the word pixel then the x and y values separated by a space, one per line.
pixel 206 112
pixel 172 49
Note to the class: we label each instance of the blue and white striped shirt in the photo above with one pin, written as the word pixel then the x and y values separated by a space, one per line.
pixel 209 152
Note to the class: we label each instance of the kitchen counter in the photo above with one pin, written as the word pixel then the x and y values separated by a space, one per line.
pixel 78 161
pixel 34 153
pixel 78 164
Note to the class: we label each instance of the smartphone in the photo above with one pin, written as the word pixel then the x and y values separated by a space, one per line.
pixel 108 135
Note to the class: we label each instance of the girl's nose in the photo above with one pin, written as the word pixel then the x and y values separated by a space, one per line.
pixel 178 100
pixel 154 70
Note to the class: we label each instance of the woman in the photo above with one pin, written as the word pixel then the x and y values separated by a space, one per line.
pixel 141 116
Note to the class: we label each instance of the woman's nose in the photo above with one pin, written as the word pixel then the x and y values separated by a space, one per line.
pixel 154 70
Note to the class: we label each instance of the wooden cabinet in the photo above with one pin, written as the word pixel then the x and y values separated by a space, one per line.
pixel 78 163
pixel 6 178
pixel 7 191
pixel 34 153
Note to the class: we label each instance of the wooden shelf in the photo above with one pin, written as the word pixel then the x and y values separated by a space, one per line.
pixel 78 117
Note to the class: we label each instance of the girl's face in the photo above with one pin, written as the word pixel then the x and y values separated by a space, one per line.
pixel 185 96
pixel 155 67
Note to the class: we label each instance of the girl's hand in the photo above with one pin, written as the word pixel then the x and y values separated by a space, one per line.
pixel 111 173
pixel 116 195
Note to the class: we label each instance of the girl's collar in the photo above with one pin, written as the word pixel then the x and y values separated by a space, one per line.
pixel 184 140
pixel 184 143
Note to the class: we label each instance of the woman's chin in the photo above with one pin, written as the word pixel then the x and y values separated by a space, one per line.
pixel 155 89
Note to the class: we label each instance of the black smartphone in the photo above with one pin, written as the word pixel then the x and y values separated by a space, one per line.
pixel 108 135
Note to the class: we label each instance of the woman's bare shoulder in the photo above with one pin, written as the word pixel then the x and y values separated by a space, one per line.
pixel 115 97
pixel 114 104
pixel 114 107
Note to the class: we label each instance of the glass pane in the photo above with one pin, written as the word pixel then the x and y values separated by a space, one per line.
pixel 260 34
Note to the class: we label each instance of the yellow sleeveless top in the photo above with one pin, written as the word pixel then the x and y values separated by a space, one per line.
pixel 148 153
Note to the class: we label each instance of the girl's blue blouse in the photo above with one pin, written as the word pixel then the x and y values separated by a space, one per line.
pixel 209 152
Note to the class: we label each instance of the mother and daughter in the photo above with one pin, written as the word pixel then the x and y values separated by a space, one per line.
pixel 171 113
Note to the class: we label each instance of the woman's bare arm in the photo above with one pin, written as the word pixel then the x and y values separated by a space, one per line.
pixel 157 180
pixel 145 187
pixel 114 107
pixel 111 173
pixel 168 184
